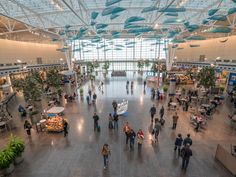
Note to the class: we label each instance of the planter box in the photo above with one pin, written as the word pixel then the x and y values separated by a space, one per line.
pixel 18 160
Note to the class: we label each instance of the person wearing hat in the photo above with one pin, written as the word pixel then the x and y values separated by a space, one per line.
pixel 186 153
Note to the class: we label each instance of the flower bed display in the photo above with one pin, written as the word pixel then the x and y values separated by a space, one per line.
pixel 54 124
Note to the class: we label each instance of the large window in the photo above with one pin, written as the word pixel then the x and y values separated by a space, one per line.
pixel 120 49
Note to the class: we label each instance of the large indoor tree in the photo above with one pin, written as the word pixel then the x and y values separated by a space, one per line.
pixel 31 86
pixel 207 77
pixel 53 80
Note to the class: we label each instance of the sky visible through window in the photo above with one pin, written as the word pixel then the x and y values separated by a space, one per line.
pixel 120 49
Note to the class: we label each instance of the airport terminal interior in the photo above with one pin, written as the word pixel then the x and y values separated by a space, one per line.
pixel 118 88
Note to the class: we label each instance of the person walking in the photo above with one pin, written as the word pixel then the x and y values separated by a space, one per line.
pixel 94 98
pixel 152 112
pixel 175 120
pixel 140 138
pixel 132 136
pixel 178 143
pixel 144 84
pixel 188 140
pixel 162 111
pixel 132 85
pixel 110 119
pixel 65 127
pixel 127 131
pixel 186 153
pixel 156 130
pixel 88 99
pixel 153 93
pixel 115 119
pixel 114 104
pixel 90 93
pixel 95 119
pixel 27 127
pixel 105 153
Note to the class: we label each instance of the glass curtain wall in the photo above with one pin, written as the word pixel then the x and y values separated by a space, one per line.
pixel 123 54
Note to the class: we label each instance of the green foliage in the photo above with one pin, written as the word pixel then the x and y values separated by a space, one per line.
pixel 7 156
pixel 147 63
pixel 106 65
pixel 96 64
pixel 90 67
pixel 140 64
pixel 81 91
pixel 165 88
pixel 54 80
pixel 17 145
pixel 206 77
pixel 32 86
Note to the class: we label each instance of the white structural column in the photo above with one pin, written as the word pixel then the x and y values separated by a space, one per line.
pixel 170 57
pixel 9 88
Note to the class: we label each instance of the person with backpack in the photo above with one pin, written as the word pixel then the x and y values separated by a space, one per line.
pixel 105 153
pixel 127 130
pixel 115 119
pixel 188 140
pixel 178 143
pixel 132 136
pixel 27 127
pixel 186 153
pixel 156 129
pixel 140 138
pixel 152 112
pixel 110 119
pixel 95 119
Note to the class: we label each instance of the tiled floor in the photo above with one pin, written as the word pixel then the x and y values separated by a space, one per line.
pixel 78 155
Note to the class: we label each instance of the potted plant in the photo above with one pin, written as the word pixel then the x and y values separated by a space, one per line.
pixel 165 89
pixel 222 89
pixel 7 157
pixel 17 145
pixel 81 91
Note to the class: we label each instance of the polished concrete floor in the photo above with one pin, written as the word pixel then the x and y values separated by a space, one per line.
pixel 79 155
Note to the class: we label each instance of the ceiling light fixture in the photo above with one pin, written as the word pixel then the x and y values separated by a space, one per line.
pixel 182 3
pixel 57 4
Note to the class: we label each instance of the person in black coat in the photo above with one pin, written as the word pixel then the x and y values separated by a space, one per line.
pixel 153 112
pixel 65 127
pixel 188 140
pixel 178 143
pixel 186 153
pixel 132 136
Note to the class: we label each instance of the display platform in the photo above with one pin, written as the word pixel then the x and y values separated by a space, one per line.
pixel 122 107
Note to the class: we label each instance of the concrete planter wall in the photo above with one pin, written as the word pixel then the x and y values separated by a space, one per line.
pixel 7 171
pixel 18 159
